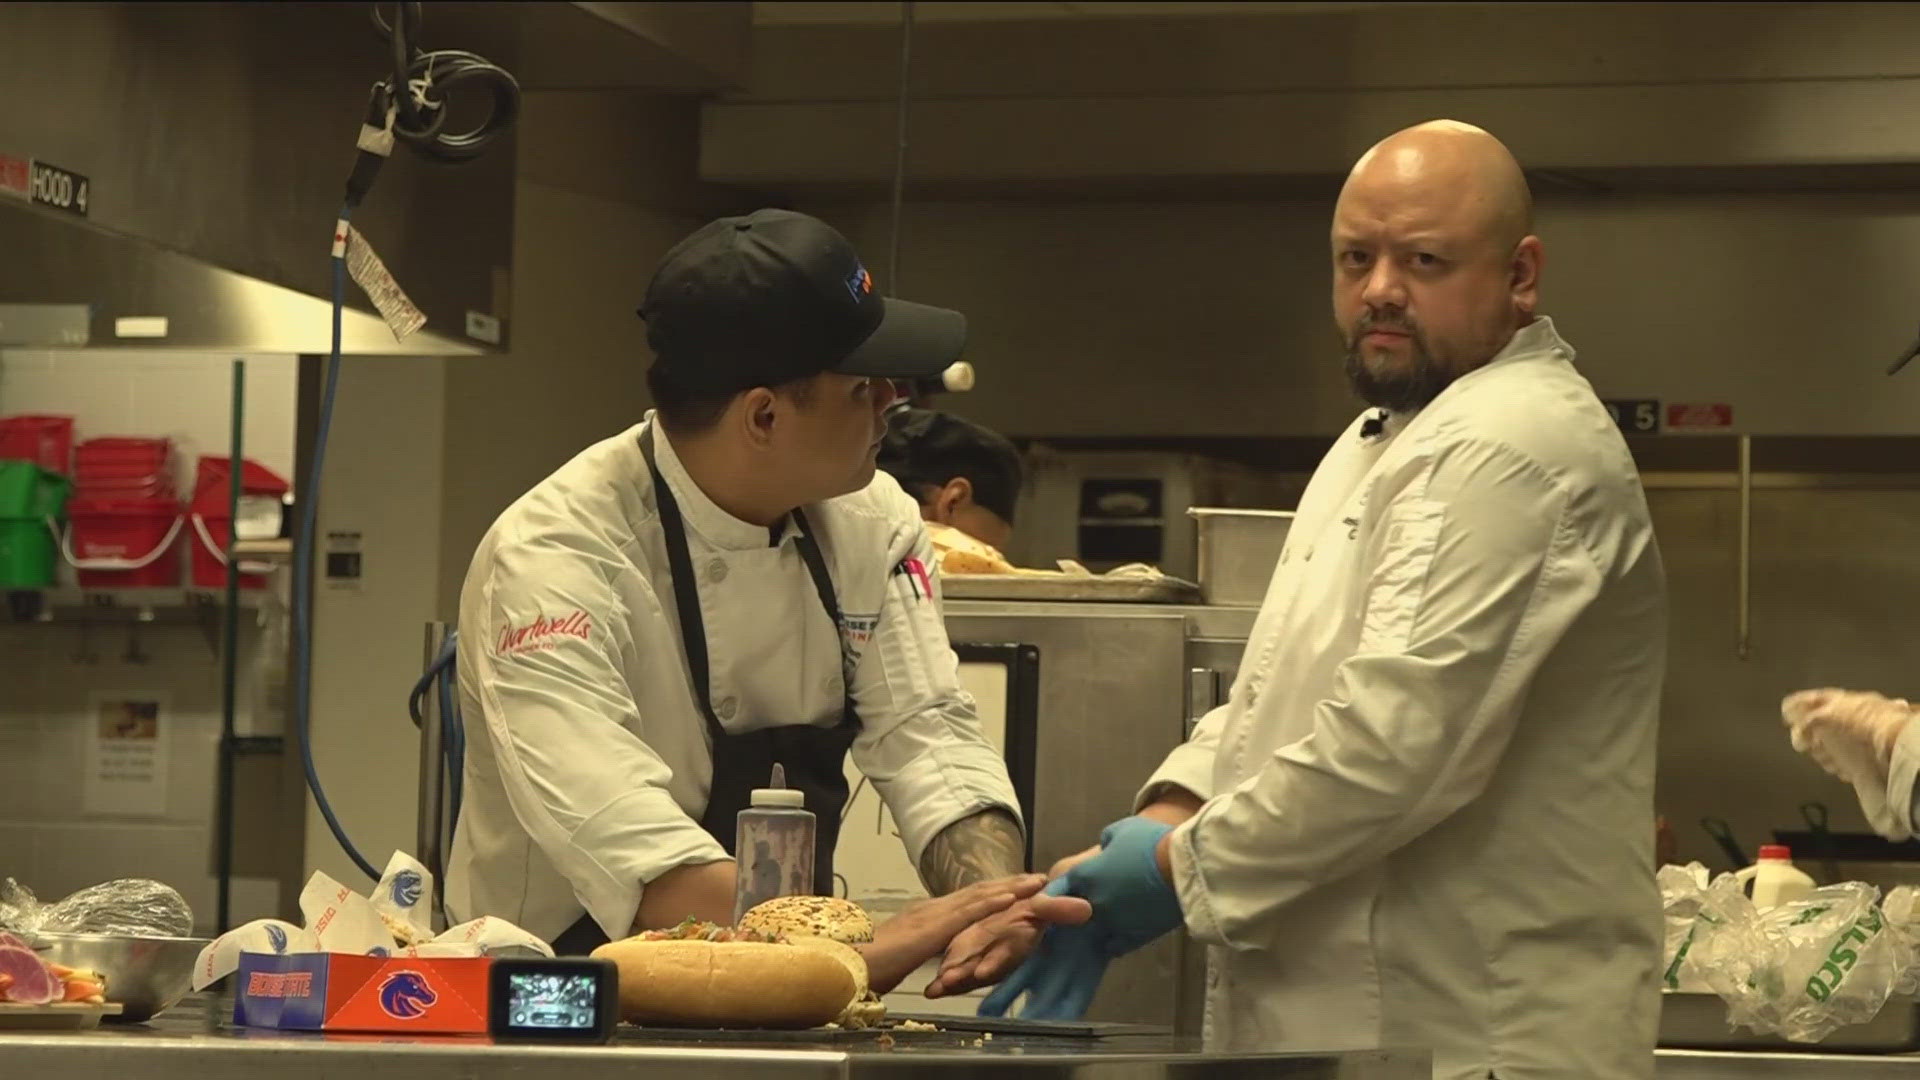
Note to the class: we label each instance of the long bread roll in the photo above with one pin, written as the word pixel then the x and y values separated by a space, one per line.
pixel 742 984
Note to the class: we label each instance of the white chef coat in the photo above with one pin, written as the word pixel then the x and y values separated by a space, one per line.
pixel 1429 817
pixel 588 762
pixel 1901 819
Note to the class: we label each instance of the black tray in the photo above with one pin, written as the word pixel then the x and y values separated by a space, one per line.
pixel 999 1025
pixel 1847 847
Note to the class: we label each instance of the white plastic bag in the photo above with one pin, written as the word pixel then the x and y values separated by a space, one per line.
pixel 1695 909
pixel 1805 969
pixel 1902 908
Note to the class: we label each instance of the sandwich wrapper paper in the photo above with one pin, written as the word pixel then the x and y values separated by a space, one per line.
pixel 364 963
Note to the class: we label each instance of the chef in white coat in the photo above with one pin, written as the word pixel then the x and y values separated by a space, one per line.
pixel 722 588
pixel 1424 817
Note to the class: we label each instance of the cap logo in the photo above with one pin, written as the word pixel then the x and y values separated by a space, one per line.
pixel 859 283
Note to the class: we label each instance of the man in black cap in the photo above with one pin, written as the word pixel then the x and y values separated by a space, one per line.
pixel 966 477
pixel 727 586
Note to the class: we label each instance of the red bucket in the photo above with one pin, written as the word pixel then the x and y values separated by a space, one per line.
pixel 124 451
pixel 261 491
pixel 124 543
pixel 47 441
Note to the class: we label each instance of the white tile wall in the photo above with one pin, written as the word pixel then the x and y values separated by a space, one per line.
pixel 185 396
pixel 47 841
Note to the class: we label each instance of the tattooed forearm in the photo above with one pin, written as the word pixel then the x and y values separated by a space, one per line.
pixel 983 847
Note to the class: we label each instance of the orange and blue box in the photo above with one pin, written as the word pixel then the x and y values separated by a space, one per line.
pixel 347 992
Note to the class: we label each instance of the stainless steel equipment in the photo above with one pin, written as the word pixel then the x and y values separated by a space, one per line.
pixel 1120 686
pixel 146 975
pixel 1070 588
pixel 1238 551
pixel 181 225
pixel 1767 1065
pixel 1699 1022
pixel 1107 508
pixel 199 1043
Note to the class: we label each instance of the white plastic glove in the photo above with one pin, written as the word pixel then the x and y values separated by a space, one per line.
pixel 1851 735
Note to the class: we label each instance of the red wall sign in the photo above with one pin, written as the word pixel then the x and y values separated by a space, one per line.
pixel 1699 416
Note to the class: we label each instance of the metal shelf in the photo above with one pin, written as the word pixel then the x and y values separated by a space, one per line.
pixel 150 606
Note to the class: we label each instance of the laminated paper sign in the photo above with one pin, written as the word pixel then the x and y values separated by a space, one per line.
pixel 126 754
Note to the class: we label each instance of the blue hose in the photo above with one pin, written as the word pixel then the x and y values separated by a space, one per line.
pixel 303 578
pixel 441 676
pixel 453 738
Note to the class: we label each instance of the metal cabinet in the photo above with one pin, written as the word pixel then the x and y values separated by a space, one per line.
pixel 1117 691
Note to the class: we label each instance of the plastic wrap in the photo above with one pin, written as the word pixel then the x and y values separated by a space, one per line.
pixel 1805 969
pixel 1902 908
pixel 19 908
pixel 131 906
pixel 1696 909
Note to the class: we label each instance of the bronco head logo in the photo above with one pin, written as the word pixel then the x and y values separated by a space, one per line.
pixel 407 886
pixel 405 995
pixel 277 938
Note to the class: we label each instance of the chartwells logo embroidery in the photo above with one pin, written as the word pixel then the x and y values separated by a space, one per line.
pixel 543 633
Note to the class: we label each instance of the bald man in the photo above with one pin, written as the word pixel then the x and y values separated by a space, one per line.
pixel 1424 817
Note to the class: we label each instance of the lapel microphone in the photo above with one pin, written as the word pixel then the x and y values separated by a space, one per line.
pixel 1375 425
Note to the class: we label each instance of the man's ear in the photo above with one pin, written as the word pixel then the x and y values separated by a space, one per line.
pixel 757 410
pixel 1529 258
pixel 953 495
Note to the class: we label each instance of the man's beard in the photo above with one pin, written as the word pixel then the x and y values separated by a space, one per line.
pixel 1405 389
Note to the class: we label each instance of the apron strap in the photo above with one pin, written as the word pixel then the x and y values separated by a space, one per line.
pixel 686 592
pixel 686 587
pixel 817 567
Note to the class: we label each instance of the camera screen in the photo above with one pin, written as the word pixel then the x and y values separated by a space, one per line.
pixel 551 1001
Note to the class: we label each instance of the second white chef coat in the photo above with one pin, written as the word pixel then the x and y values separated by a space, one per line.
pixel 1431 789
pixel 587 761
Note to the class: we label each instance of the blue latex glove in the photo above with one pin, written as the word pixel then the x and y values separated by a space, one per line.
pixel 1060 977
pixel 1132 904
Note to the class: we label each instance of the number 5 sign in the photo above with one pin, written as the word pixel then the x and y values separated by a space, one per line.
pixel 1635 417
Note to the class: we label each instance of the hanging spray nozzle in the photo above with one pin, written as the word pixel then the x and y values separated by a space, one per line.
pixel 1906 357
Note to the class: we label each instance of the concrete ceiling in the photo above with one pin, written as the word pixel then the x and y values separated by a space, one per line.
pixel 809 12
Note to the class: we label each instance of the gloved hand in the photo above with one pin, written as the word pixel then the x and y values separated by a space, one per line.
pixel 1061 976
pixel 1851 734
pixel 1132 904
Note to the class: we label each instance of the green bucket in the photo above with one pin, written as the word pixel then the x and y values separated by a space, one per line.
pixel 29 496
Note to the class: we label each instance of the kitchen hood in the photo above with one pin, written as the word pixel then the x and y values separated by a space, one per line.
pixel 170 173
pixel 80 286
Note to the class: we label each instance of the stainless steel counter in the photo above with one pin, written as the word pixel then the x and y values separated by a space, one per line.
pixel 1203 621
pixel 1754 1065
pixel 192 1042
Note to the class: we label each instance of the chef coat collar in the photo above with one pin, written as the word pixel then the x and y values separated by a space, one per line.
pixel 1529 342
pixel 715 525
pixel 1537 340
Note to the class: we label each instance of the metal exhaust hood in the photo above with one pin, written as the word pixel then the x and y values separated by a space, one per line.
pixel 215 141
pixel 80 286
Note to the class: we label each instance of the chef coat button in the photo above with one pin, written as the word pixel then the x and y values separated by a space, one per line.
pixel 1308 557
pixel 716 571
pixel 727 708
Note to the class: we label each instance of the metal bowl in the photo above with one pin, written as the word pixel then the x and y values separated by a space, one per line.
pixel 145 975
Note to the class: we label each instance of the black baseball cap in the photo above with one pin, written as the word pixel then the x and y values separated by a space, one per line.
pixel 776 296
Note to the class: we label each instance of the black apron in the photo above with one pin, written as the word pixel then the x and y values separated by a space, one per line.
pixel 814 757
